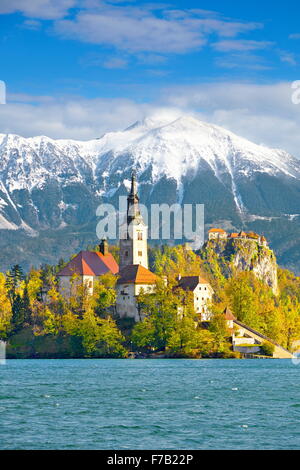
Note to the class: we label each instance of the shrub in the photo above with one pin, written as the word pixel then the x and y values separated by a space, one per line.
pixel 267 349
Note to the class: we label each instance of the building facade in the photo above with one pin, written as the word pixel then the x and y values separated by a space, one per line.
pixel 202 292
pixel 217 234
pixel 133 279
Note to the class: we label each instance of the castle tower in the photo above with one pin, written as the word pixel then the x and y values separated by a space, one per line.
pixel 133 244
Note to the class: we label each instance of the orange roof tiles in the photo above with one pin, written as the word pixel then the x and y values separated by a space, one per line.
pixel 216 230
pixel 136 274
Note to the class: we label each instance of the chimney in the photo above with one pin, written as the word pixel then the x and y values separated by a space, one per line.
pixel 103 247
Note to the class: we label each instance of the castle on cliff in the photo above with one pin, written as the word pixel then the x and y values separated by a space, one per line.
pixel 220 234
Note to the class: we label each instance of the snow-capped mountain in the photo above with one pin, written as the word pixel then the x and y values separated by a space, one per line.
pixel 52 186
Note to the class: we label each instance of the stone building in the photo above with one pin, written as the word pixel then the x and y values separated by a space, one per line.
pixel 85 269
pixel 133 279
pixel 202 291
pixel 217 234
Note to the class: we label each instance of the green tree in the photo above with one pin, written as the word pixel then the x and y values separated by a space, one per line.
pixel 26 306
pixel 5 309
pixel 18 316
pixel 14 278
pixel 160 309
pixel 242 299
pixel 218 327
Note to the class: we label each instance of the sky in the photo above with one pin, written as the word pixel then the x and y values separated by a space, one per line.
pixel 79 68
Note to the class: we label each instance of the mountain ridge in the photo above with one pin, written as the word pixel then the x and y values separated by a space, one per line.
pixel 48 185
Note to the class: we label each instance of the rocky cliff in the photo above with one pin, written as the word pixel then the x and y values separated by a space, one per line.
pixel 237 255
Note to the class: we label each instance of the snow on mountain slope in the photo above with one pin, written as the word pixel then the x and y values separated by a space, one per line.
pixel 46 182
pixel 173 148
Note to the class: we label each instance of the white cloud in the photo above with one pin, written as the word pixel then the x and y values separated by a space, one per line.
pixel 43 9
pixel 135 28
pixel 264 114
pixel 288 57
pixel 70 118
pixel 240 45
pixel 151 28
pixel 242 60
pixel 135 34
pixel 294 36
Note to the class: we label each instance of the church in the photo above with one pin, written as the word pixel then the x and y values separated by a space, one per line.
pixel 134 274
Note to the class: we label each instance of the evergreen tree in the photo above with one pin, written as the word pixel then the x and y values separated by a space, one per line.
pixel 18 317
pixel 13 280
pixel 26 306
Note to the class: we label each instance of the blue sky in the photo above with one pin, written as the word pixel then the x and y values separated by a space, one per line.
pixel 92 66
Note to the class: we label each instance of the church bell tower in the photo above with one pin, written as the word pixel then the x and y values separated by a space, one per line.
pixel 133 244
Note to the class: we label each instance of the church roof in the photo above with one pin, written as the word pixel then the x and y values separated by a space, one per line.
pixel 90 263
pixel 228 314
pixel 191 282
pixel 136 274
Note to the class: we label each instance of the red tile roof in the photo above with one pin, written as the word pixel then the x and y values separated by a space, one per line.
pixel 136 274
pixel 90 263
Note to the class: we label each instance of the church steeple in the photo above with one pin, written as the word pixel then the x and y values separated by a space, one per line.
pixel 133 247
pixel 133 191
pixel 133 210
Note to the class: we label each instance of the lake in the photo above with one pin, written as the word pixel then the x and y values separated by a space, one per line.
pixel 150 404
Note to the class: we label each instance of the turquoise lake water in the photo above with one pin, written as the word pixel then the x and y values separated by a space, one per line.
pixel 149 404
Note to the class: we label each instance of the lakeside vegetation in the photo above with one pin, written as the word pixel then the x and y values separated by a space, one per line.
pixel 86 325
